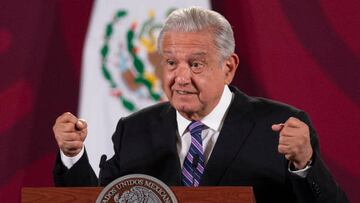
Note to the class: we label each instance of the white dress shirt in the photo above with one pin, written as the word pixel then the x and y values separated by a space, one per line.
pixel 213 123
pixel 70 161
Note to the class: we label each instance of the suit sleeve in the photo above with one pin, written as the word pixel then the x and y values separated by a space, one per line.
pixel 319 186
pixel 81 174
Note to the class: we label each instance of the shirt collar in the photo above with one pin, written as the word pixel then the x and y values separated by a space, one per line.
pixel 214 119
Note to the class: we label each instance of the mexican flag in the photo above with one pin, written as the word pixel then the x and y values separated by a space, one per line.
pixel 121 68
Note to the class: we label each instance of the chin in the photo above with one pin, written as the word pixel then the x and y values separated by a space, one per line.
pixel 186 109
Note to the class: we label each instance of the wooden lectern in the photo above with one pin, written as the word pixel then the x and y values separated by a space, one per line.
pixel 183 194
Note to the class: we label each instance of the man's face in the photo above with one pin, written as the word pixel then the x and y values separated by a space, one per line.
pixel 193 73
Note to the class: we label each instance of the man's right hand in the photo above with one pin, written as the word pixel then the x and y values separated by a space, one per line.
pixel 70 133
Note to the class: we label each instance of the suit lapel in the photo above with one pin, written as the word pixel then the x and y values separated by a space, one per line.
pixel 164 143
pixel 237 126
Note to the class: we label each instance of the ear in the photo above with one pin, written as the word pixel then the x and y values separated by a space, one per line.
pixel 230 66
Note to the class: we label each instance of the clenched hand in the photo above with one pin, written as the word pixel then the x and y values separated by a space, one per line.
pixel 294 141
pixel 70 133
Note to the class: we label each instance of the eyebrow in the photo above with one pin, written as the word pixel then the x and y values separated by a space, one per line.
pixel 193 54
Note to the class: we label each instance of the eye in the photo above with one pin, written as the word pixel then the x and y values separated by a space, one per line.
pixel 170 64
pixel 197 67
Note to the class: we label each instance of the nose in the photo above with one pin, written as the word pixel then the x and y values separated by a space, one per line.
pixel 183 74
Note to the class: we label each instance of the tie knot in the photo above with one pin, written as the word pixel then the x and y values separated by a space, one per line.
pixel 195 126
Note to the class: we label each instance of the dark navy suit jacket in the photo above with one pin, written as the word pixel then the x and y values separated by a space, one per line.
pixel 245 154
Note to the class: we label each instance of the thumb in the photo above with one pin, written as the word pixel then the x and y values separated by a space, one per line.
pixel 277 127
pixel 80 124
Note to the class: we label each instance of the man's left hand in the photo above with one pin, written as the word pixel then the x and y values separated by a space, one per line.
pixel 294 141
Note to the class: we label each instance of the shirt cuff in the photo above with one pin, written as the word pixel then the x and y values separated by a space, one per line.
pixel 302 173
pixel 70 161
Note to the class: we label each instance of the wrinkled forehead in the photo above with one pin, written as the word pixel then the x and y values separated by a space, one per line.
pixel 196 43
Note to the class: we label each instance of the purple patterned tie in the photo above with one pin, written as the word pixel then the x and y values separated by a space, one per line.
pixel 194 164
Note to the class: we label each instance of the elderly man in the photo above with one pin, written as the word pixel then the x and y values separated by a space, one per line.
pixel 209 133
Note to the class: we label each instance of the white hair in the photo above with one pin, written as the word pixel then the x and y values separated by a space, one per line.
pixel 196 19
